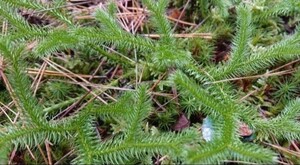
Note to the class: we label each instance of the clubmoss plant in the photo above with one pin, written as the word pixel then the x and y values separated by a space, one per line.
pixel 204 85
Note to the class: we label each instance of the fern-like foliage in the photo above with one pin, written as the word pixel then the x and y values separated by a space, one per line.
pixel 159 19
pixel 50 43
pixel 37 6
pixel 245 63
pixel 87 143
pixel 223 146
pixel 268 8
pixel 28 106
pixel 24 29
pixel 240 48
pixel 134 142
pixel 284 126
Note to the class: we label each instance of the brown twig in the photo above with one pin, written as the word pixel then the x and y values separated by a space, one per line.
pixel 69 153
pixel 114 72
pixel 141 75
pixel 157 82
pixel 48 149
pixel 67 110
pixel 181 13
pixel 249 94
pixel 290 63
pixel 295 146
pixel 168 101
pixel 42 153
pixel 97 69
pixel 159 105
pixel 13 154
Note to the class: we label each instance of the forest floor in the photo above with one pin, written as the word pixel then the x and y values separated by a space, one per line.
pixel 70 80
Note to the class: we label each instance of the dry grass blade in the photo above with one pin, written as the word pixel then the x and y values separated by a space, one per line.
pixel 8 86
pixel 84 105
pixel 191 35
pixel 285 65
pixel 30 152
pixel 3 111
pixel 60 74
pixel 67 110
pixel 249 94
pixel 297 154
pixel 7 107
pixel 268 74
pixel 104 87
pixel 38 78
pixel 118 53
pixel 239 162
pixel 16 118
pixel 4 27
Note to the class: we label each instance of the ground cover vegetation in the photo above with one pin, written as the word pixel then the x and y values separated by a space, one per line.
pixel 149 82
